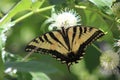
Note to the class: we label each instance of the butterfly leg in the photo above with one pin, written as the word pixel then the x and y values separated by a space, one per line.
pixel 68 66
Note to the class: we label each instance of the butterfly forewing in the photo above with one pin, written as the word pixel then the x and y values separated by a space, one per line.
pixel 52 41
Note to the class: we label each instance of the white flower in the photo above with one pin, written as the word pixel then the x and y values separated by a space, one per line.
pixel 116 9
pixel 109 60
pixel 64 18
pixel 6 54
pixel 117 43
pixel 3 37
pixel 10 71
pixel 3 54
pixel 5 28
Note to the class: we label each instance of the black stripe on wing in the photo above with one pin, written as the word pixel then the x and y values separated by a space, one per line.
pixel 51 34
pixel 80 29
pixel 85 29
pixel 46 38
pixel 41 39
pixel 36 41
pixel 95 36
pixel 30 48
pixel 74 33
pixel 64 59
pixel 64 33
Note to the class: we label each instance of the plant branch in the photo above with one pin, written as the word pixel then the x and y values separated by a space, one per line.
pixel 94 10
pixel 97 48
pixel 31 13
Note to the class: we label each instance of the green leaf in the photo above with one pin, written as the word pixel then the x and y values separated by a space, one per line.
pixel 1 66
pixel 37 4
pixel 57 2
pixel 104 5
pixel 32 12
pixel 96 20
pixel 1 60
pixel 92 61
pixel 1 29
pixel 23 76
pixel 21 6
pixel 101 3
pixel 31 66
pixel 39 76
pixel 7 26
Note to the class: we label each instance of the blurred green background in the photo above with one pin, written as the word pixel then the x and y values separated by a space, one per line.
pixel 43 67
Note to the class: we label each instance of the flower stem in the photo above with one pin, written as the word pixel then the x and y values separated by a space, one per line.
pixel 31 13
pixel 97 48
pixel 27 56
pixel 94 10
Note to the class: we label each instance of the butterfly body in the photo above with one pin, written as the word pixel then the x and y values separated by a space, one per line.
pixel 67 45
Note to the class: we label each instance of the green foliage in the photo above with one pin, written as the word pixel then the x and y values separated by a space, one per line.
pixel 1 67
pixel 27 19
pixel 30 66
pixel 102 3
pixel 42 76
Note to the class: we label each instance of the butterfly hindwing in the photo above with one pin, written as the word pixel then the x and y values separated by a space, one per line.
pixel 68 45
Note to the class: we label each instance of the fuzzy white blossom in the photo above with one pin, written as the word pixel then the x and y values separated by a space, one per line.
pixel 116 9
pixel 117 43
pixel 65 18
pixel 109 60
pixel 5 28
pixel 3 37
pixel 10 71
